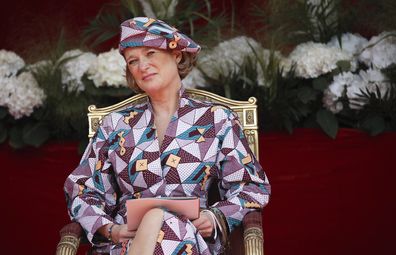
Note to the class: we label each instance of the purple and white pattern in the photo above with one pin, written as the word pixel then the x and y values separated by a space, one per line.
pixel 149 32
pixel 203 142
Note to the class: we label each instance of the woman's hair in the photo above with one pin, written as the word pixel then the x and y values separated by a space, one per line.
pixel 184 67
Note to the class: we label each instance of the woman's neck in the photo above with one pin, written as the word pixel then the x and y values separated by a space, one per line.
pixel 165 103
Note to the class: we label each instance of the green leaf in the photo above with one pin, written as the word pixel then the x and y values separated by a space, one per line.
pixel 36 134
pixel 374 125
pixel 311 122
pixel 306 94
pixel 132 6
pixel 3 112
pixel 3 133
pixel 344 65
pixel 16 140
pixel 320 83
pixel 328 122
pixel 304 110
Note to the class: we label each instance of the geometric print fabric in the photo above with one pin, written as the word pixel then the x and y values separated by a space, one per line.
pixel 124 161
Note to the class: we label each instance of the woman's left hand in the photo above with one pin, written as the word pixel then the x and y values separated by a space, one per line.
pixel 204 224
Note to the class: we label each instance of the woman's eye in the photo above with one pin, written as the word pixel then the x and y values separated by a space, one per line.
pixel 151 52
pixel 132 62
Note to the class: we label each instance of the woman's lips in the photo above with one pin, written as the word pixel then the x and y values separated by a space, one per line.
pixel 148 76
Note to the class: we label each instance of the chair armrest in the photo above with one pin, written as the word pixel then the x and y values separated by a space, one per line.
pixel 70 236
pixel 253 233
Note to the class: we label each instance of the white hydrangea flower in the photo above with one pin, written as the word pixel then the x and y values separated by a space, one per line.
pixel 74 68
pixel 314 59
pixel 382 52
pixel 374 78
pixel 330 102
pixel 21 94
pixel 227 56
pixel 354 85
pixel 10 63
pixel 6 85
pixel 346 80
pixel 194 79
pixel 108 69
pixel 351 43
pixel 341 80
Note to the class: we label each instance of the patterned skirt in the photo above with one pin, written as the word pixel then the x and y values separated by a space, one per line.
pixel 178 236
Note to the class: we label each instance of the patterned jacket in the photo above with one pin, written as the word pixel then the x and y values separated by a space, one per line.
pixel 203 142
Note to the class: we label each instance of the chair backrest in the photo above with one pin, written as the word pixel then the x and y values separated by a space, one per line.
pixel 246 110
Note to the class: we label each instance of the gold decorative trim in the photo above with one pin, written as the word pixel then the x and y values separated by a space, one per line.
pixel 246 110
pixel 68 245
pixel 252 138
pixel 250 117
pixel 94 124
pixel 253 239
pixel 252 100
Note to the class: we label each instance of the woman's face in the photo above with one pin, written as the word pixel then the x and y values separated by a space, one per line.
pixel 153 69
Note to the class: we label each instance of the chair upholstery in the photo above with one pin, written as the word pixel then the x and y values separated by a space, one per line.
pixel 251 228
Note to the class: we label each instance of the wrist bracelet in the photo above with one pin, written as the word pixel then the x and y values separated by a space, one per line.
pixel 109 231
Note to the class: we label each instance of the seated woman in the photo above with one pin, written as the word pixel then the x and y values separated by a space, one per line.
pixel 169 146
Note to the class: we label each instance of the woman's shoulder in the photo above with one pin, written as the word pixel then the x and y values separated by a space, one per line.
pixel 220 112
pixel 128 110
pixel 195 102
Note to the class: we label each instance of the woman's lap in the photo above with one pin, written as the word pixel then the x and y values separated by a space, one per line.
pixel 177 236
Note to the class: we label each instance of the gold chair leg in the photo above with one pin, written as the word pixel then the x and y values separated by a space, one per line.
pixel 253 238
pixel 68 245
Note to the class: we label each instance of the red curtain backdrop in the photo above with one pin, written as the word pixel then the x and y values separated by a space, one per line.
pixel 329 196
pixel 25 21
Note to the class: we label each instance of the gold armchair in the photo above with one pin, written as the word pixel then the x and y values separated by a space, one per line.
pixel 251 228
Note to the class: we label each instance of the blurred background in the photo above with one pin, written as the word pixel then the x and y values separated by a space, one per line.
pixel 324 74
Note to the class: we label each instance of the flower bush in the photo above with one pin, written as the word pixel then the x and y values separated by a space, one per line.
pixel 328 78
pixel 351 43
pixel 314 59
pixel 49 99
pixel 108 70
pixel 382 54
pixel 76 64
pixel 10 63
pixel 20 93
pixel 328 84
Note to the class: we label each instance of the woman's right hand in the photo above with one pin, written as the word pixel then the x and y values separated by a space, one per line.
pixel 120 233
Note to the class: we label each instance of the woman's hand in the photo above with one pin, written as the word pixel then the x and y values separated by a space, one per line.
pixel 204 224
pixel 120 233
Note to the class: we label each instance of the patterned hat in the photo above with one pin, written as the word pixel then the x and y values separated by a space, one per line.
pixel 143 31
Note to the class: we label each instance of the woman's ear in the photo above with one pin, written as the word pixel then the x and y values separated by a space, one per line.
pixel 178 55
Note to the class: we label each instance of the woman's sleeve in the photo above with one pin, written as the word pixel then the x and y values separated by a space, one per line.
pixel 90 188
pixel 242 180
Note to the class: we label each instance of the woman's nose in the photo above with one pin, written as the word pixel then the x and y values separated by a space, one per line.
pixel 143 64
